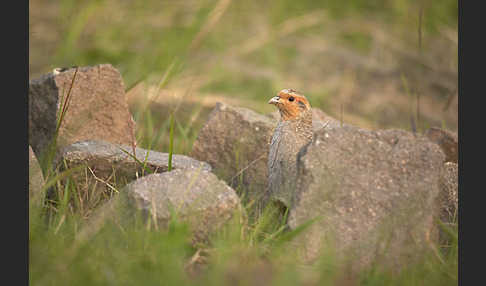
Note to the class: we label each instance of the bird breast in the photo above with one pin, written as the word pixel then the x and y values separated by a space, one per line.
pixel 287 140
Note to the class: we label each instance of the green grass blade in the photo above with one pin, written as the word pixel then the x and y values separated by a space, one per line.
pixel 143 164
pixel 171 142
pixel 288 236
pixel 51 182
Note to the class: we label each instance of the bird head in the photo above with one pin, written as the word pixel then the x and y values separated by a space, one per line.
pixel 290 103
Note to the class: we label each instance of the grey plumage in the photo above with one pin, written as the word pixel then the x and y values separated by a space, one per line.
pixel 288 138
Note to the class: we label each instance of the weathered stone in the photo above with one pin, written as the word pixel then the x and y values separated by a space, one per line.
pixel 197 197
pixel 447 140
pixel 449 192
pixel 97 108
pixel 235 142
pixel 36 179
pixel 108 166
pixel 374 194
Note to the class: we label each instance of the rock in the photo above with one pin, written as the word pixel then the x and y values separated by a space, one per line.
pixel 197 197
pixel 235 142
pixel 36 179
pixel 108 166
pixel 447 140
pixel 449 192
pixel 97 107
pixel 374 194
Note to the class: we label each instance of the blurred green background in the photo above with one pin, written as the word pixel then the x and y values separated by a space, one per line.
pixel 373 63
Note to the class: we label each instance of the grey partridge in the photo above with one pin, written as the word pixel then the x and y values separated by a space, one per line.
pixel 293 131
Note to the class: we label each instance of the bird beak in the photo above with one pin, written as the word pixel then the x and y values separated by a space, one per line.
pixel 275 100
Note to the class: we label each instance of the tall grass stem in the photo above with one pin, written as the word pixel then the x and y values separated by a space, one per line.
pixel 171 141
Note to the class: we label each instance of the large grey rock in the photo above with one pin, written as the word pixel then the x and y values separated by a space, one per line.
pixel 36 179
pixel 197 197
pixel 447 140
pixel 107 166
pixel 97 108
pixel 374 194
pixel 235 142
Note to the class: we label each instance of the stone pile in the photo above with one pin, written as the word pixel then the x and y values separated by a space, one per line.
pixel 375 196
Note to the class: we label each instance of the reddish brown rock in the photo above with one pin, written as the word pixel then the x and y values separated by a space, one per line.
pixel 36 179
pixel 97 108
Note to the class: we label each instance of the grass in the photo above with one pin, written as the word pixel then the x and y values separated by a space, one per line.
pixel 252 50
pixel 153 42
pixel 227 83
pixel 257 251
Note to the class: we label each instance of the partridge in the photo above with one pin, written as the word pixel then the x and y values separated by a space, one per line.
pixel 293 131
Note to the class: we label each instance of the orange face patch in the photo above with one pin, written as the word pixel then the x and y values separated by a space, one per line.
pixel 290 103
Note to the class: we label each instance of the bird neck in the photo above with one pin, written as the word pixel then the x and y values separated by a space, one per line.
pixel 304 117
pixel 302 124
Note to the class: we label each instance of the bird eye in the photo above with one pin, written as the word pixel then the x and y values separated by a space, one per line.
pixel 291 98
